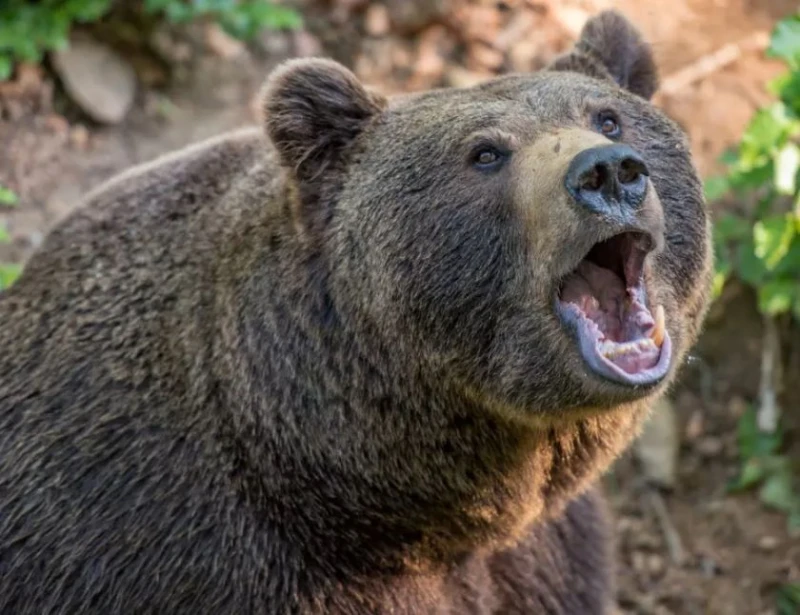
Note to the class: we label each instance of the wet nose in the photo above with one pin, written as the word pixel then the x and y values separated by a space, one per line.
pixel 608 178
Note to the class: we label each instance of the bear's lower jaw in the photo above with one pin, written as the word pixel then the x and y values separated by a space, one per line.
pixel 604 303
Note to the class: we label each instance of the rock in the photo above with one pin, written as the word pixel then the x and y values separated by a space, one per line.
pixel 655 564
pixel 767 543
pixel 274 43
pixel 305 44
pixel 429 64
pixel 101 82
pixel 694 426
pixel 57 124
pixel 376 20
pixel 221 43
pixel 482 56
pixel 79 137
pixel 571 19
pixel 657 446
pixel 709 447
pixel 524 56
pixel 402 58
pixel 458 77
pixel 639 561
pixel 737 407
pixel 35 239
pixel 166 45
pixel 709 567
pixel 517 30
pixel 409 16
pixel 481 23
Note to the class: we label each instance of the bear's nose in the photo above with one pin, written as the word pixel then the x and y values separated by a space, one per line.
pixel 608 178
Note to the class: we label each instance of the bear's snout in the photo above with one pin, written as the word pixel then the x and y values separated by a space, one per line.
pixel 609 180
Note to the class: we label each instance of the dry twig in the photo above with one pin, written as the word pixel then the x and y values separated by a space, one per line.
pixel 671 536
pixel 769 388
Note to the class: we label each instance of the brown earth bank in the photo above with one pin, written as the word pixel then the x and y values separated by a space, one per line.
pixel 734 553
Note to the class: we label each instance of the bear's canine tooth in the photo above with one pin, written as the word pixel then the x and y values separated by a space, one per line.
pixel 658 331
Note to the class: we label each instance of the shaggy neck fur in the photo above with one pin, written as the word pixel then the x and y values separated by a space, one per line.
pixel 392 468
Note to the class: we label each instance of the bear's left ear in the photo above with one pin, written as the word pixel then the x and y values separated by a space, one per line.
pixel 611 47
pixel 313 110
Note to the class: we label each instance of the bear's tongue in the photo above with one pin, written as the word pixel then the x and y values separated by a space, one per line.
pixel 625 331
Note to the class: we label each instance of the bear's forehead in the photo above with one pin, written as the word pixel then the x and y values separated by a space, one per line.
pixel 513 101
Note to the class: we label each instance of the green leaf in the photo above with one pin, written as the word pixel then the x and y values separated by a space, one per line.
pixel 794 519
pixel 275 17
pixel 749 267
pixel 716 187
pixel 730 227
pixel 785 43
pixel 4 236
pixel 752 441
pixel 777 490
pixel 718 283
pixel 787 88
pixel 766 131
pixel 787 162
pixel 8 274
pixel 796 306
pixel 237 24
pixel 777 296
pixel 789 266
pixel 91 10
pixel 177 12
pixel 788 599
pixel 748 178
pixel 752 473
pixel 773 237
pixel 8 197
pixel 729 157
pixel 156 6
pixel 6 66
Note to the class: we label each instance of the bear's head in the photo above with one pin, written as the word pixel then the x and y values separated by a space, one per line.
pixel 540 241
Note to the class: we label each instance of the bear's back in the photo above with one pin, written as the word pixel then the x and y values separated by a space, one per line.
pixel 112 483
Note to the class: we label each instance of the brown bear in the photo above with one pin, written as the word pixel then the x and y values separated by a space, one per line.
pixel 371 362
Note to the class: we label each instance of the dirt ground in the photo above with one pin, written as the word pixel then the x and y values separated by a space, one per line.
pixel 736 552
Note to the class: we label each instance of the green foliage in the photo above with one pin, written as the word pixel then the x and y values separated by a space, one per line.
pixel 8 272
pixel 763 249
pixel 789 599
pixel 242 19
pixel 764 467
pixel 8 197
pixel 28 29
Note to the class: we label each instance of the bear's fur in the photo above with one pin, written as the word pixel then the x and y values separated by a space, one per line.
pixel 321 372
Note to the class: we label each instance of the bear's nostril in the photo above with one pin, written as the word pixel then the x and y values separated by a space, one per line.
pixel 630 170
pixel 595 178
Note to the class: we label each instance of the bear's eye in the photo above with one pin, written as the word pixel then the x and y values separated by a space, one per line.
pixel 488 158
pixel 608 125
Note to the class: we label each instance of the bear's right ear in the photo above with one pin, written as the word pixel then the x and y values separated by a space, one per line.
pixel 313 110
pixel 610 47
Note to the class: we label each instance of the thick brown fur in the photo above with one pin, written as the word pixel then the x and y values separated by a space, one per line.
pixel 320 371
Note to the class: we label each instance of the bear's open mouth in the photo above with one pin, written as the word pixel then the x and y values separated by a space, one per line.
pixel 605 301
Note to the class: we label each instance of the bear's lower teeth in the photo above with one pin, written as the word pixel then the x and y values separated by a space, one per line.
pixel 612 350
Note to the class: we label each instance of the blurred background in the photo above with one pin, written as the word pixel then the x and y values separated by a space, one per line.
pixel 707 502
